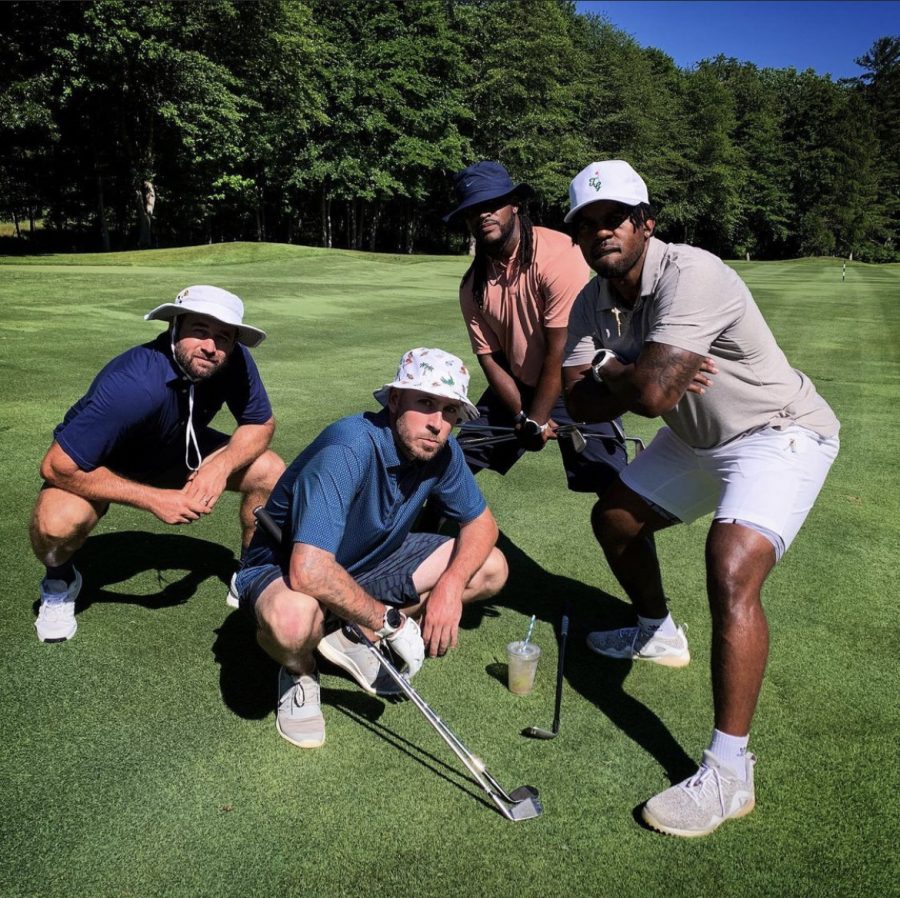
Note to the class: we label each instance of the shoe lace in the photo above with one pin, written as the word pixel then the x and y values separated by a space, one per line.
pixel 705 779
pixel 54 610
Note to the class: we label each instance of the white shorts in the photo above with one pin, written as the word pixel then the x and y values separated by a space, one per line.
pixel 767 480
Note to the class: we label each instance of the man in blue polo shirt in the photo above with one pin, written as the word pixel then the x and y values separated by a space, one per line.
pixel 140 436
pixel 347 505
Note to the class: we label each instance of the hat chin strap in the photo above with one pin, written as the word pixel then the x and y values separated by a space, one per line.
pixel 190 435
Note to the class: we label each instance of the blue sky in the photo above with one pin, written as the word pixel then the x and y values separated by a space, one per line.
pixel 824 36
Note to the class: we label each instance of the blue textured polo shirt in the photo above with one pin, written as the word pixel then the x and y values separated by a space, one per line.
pixel 133 417
pixel 352 494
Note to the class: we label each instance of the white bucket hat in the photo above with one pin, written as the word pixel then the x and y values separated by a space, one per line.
pixel 435 372
pixel 611 180
pixel 214 302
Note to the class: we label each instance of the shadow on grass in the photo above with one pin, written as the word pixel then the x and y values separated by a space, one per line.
pixel 533 590
pixel 248 678
pixel 181 563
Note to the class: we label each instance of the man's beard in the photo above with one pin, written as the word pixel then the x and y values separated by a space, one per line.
pixel 616 265
pixel 407 441
pixel 495 245
pixel 185 362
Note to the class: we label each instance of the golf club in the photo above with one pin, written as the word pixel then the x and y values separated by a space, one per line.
pixel 540 732
pixel 485 435
pixel 579 438
pixel 520 804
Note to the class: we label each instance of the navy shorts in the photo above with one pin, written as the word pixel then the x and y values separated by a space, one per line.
pixel 390 580
pixel 591 471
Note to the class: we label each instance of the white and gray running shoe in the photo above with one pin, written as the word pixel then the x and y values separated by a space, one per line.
pixel 233 599
pixel 704 801
pixel 635 644
pixel 298 715
pixel 56 616
pixel 359 662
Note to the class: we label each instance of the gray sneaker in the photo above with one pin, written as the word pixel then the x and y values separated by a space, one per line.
pixel 359 662
pixel 634 644
pixel 56 616
pixel 299 711
pixel 704 801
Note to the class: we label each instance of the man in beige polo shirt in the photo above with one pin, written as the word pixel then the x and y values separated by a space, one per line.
pixel 753 446
pixel 515 299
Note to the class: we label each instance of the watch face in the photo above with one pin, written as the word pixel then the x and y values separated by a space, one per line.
pixel 393 618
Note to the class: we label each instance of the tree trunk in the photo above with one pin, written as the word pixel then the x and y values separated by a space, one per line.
pixel 360 224
pixel 16 222
pixel 471 245
pixel 146 199
pixel 410 233
pixel 373 225
pixel 326 221
pixel 101 216
pixel 351 224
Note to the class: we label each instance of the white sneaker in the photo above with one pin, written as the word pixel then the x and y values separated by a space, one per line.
pixel 634 644
pixel 233 599
pixel 298 715
pixel 56 616
pixel 359 662
pixel 704 801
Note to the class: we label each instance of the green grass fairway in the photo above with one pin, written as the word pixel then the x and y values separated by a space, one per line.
pixel 141 758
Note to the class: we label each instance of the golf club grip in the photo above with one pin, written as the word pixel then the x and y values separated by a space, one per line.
pixel 268 525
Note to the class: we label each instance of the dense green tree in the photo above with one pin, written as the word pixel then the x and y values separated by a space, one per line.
pixel 339 122
pixel 879 85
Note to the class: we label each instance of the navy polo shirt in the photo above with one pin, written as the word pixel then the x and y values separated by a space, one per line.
pixel 134 415
pixel 350 493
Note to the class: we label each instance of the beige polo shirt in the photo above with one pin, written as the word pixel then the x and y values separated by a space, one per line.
pixel 692 300
pixel 518 305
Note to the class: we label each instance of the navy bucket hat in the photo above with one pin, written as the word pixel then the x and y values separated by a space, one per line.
pixel 481 182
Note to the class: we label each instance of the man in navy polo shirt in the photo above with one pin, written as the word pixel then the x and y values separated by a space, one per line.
pixel 347 504
pixel 140 436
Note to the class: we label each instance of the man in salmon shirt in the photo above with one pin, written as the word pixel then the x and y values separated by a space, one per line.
pixel 515 299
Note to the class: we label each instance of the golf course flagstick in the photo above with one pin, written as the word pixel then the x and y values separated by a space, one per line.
pixel 520 804
pixel 540 732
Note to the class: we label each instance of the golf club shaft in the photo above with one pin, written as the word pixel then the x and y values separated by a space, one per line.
pixel 474 765
pixel 561 663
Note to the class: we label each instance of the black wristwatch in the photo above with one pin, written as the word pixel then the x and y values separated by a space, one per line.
pixel 599 361
pixel 393 621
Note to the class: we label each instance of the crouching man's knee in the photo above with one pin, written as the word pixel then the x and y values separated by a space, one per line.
pixel 291 621
pixel 491 577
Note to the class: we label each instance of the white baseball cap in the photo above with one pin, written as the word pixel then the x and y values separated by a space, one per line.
pixel 610 180
pixel 202 299
pixel 435 372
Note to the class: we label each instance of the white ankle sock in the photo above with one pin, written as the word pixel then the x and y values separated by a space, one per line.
pixel 730 751
pixel 665 626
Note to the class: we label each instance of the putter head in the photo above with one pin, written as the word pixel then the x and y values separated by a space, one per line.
pixel 525 804
pixel 539 733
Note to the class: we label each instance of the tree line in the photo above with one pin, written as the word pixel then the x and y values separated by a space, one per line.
pixel 339 122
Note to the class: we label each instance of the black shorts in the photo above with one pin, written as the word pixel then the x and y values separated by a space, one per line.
pixel 590 471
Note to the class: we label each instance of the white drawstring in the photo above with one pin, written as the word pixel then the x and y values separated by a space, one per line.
pixel 189 434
